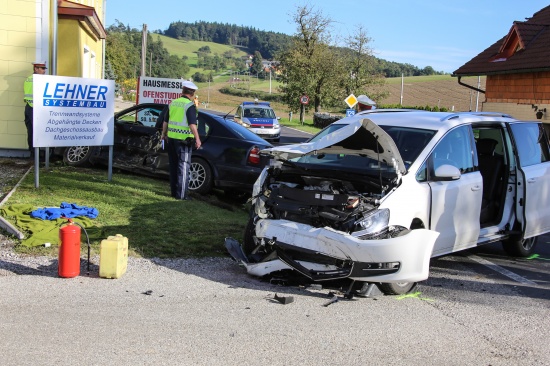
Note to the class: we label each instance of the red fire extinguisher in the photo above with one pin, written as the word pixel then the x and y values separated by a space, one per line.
pixel 69 250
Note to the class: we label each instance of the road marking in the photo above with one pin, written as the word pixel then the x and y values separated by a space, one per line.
pixel 502 271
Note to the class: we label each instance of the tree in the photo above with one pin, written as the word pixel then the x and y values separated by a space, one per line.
pixel 257 66
pixel 364 77
pixel 309 65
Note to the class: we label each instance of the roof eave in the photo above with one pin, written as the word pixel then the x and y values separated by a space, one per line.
pixel 501 72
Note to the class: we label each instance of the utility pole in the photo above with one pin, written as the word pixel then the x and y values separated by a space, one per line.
pixel 401 99
pixel 143 49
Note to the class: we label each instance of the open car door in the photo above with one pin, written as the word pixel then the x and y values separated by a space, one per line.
pixel 533 177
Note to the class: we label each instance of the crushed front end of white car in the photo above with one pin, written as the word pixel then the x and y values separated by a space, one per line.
pixel 316 212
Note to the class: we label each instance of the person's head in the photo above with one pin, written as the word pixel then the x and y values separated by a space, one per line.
pixel 39 67
pixel 364 103
pixel 189 89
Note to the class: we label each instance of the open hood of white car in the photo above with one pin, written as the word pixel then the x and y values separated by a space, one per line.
pixel 361 137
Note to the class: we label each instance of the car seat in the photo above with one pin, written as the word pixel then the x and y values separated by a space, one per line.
pixel 491 169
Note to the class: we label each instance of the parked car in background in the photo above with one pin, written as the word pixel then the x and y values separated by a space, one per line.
pixel 372 197
pixel 259 118
pixel 228 159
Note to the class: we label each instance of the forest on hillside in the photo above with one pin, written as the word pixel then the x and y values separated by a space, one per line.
pixel 123 50
pixel 269 44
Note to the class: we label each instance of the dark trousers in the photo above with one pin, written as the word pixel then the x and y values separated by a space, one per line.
pixel 29 125
pixel 179 159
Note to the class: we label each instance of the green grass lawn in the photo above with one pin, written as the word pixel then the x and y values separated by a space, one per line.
pixel 137 207
pixel 182 48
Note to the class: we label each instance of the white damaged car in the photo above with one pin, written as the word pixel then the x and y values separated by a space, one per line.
pixel 373 197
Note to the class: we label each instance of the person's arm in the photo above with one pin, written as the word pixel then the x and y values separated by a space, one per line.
pixel 164 119
pixel 195 131
pixel 192 121
pixel 164 130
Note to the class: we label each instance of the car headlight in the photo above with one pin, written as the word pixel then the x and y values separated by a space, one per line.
pixel 276 124
pixel 373 223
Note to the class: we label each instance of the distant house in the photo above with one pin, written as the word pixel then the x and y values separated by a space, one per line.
pixel 517 69
pixel 27 29
pixel 266 65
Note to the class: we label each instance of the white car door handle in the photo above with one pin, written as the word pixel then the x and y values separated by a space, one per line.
pixel 476 188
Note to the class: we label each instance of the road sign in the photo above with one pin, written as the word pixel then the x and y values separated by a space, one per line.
pixel 304 99
pixel 350 112
pixel 351 100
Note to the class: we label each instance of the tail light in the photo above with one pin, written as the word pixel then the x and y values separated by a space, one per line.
pixel 254 156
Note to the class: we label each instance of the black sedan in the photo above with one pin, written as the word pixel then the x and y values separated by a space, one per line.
pixel 228 159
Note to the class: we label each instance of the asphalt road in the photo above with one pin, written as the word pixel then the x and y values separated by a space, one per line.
pixel 210 312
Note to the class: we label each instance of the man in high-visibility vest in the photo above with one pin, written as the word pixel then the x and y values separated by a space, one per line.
pixel 39 68
pixel 181 134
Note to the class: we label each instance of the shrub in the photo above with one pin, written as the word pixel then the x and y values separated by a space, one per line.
pixel 252 94
pixel 321 120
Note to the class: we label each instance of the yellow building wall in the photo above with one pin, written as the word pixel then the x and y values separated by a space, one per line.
pixel 80 53
pixel 19 25
pixel 69 60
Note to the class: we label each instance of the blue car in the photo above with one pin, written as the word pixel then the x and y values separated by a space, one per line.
pixel 229 158
pixel 259 118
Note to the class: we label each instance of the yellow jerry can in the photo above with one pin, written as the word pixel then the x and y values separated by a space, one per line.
pixel 113 256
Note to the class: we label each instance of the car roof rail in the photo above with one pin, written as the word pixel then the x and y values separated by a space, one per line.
pixel 479 114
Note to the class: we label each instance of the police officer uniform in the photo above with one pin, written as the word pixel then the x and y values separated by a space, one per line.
pixel 180 132
pixel 39 68
pixel 364 103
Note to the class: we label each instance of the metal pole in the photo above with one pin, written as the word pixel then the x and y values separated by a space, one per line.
pixel 103 43
pixel 401 98
pixel 143 49
pixel 477 97
pixel 53 72
pixel 110 166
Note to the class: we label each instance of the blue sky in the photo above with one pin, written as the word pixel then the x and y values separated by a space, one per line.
pixel 443 34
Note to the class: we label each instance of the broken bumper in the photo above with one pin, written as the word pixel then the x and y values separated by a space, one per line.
pixel 324 254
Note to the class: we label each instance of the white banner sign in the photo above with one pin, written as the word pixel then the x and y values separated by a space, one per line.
pixel 158 90
pixel 71 111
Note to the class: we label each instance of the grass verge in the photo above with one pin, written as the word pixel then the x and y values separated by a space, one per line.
pixel 137 207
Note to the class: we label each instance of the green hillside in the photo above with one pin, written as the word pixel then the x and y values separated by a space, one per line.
pixel 181 48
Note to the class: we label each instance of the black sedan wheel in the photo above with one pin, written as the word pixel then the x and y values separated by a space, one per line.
pixel 200 176
pixel 77 155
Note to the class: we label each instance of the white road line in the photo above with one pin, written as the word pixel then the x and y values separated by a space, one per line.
pixel 502 271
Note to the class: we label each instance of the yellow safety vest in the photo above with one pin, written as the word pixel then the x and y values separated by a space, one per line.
pixel 27 89
pixel 178 127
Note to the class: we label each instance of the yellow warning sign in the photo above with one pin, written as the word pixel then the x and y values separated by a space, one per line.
pixel 351 100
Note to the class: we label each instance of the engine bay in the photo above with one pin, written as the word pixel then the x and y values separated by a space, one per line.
pixel 318 201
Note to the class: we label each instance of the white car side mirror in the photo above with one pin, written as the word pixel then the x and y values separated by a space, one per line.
pixel 447 172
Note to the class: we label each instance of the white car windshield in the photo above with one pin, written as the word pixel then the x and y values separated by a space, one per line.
pixel 258 112
pixel 409 141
